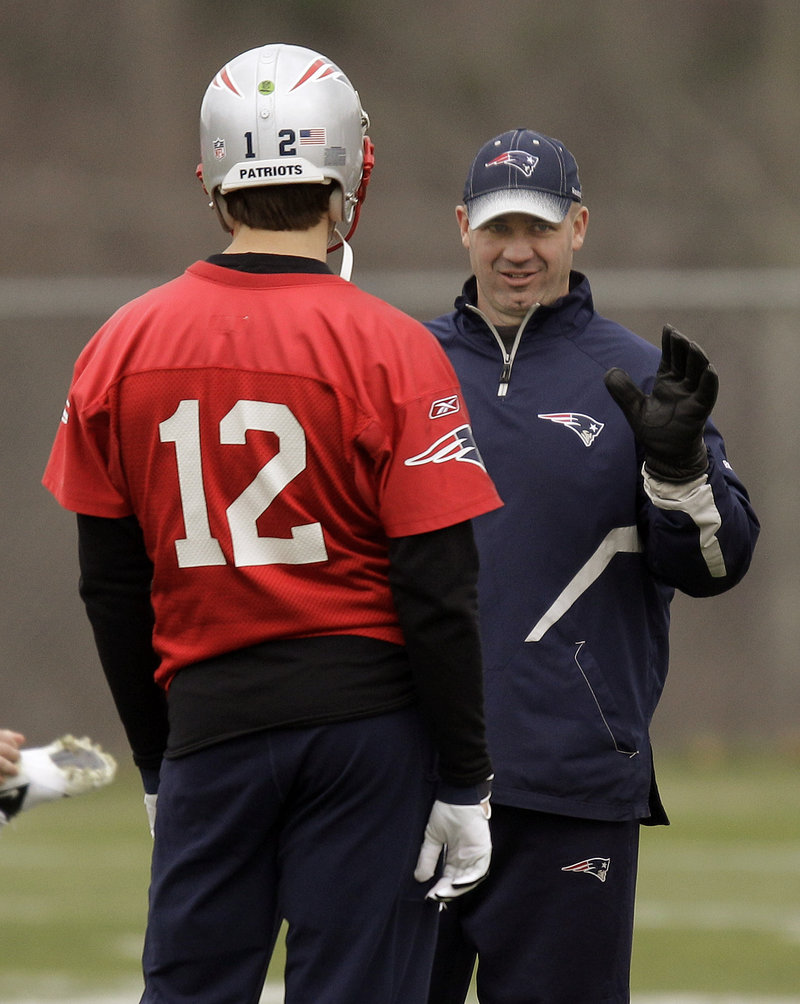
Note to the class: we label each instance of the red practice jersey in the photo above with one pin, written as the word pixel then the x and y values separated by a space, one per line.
pixel 269 432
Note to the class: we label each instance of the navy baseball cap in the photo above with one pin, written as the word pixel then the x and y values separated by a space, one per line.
pixel 521 171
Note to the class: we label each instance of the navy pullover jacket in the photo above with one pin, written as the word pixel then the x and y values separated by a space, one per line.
pixel 579 566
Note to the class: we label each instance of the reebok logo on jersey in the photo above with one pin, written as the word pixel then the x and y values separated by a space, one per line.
pixel 444 406
pixel 456 445
pixel 586 428
pixel 65 413
pixel 591 866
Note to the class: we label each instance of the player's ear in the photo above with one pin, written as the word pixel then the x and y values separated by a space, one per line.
pixel 463 225
pixel 579 224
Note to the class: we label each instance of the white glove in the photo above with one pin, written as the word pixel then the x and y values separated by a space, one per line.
pixel 67 767
pixel 462 832
pixel 150 802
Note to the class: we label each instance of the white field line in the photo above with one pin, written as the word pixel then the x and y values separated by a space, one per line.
pixel 719 916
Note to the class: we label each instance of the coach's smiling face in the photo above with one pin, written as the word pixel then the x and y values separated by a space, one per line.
pixel 519 260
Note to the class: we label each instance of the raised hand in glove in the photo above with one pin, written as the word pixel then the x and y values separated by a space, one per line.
pixel 462 832
pixel 669 421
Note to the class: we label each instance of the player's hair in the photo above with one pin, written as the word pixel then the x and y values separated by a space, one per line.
pixel 279 207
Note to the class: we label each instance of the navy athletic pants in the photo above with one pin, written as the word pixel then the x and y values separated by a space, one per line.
pixel 552 923
pixel 320 826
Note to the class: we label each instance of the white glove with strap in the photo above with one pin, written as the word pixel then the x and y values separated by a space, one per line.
pixel 462 832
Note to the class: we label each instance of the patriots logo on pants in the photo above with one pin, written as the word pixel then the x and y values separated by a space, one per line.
pixel 591 866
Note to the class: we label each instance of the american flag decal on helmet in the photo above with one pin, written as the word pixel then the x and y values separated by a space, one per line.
pixel 313 137
pixel 591 866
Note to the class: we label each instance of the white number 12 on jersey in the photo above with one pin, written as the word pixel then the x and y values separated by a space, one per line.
pixel 306 543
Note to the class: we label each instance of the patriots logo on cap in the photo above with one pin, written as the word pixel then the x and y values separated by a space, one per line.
pixel 591 866
pixel 584 426
pixel 522 161
pixel 456 445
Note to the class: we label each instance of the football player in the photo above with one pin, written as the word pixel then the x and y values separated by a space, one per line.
pixel 274 476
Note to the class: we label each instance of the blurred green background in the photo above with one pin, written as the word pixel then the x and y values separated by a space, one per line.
pixel 718 908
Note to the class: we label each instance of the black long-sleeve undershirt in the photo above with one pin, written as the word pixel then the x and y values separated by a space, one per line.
pixel 433 580
pixel 116 575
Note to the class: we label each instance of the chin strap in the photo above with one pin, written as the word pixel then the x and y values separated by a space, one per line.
pixel 361 194
pixel 346 268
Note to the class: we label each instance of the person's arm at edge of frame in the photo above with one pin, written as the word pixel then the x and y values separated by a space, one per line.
pixel 433 577
pixel 115 581
pixel 10 743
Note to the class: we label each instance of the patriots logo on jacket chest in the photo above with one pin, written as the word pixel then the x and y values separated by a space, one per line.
pixel 584 426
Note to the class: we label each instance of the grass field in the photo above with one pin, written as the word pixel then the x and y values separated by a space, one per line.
pixel 718 905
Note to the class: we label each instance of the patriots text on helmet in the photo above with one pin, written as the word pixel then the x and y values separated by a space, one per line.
pixel 271 171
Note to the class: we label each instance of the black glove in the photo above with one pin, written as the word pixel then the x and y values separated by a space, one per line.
pixel 669 421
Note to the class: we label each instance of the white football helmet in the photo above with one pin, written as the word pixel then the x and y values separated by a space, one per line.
pixel 280 114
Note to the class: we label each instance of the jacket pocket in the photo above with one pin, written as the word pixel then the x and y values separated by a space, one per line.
pixel 603 701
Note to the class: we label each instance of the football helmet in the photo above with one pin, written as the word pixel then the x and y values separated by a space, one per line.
pixel 282 114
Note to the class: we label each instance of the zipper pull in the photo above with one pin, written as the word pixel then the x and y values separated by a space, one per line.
pixel 505 377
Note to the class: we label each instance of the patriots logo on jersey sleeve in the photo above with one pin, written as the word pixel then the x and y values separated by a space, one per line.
pixel 586 428
pixel 457 445
pixel 522 161
pixel 591 866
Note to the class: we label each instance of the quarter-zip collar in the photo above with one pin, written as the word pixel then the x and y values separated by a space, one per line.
pixel 508 355
pixel 567 308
